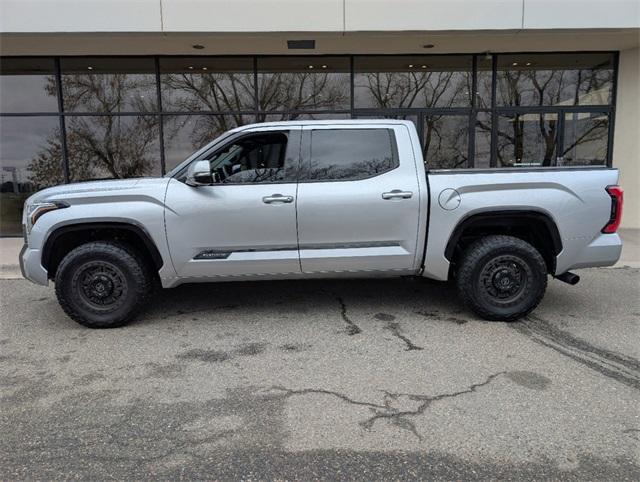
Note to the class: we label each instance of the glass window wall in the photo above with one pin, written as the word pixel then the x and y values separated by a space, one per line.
pixel 66 119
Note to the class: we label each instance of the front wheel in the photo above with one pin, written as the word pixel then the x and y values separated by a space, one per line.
pixel 102 284
pixel 501 278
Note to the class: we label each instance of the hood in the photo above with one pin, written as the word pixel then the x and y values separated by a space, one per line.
pixel 81 190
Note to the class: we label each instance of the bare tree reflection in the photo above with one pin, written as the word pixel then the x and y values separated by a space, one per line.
pixel 298 91
pixel 104 145
pixel 539 88
pixel 317 171
pixel 445 141
pixel 119 146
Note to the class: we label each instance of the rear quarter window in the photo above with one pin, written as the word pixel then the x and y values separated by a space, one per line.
pixel 349 154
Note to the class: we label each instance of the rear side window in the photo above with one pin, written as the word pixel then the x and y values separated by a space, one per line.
pixel 349 154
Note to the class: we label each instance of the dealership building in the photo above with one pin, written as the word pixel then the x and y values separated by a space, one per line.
pixel 121 88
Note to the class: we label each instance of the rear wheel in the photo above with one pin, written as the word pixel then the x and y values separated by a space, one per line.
pixel 102 284
pixel 501 278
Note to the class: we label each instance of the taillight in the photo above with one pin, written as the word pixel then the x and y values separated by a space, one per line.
pixel 616 209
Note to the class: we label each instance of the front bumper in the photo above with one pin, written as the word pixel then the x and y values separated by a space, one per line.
pixel 31 267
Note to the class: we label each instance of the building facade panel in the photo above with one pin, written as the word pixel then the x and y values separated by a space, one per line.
pixel 252 15
pixel 80 16
pixel 626 150
pixel 383 15
pixel 579 14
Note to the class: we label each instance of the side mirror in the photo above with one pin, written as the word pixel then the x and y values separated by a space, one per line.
pixel 199 174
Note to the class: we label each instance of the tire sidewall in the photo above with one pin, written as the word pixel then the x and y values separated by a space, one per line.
pixel 534 282
pixel 483 252
pixel 68 289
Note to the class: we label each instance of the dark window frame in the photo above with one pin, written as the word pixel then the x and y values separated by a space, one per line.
pixel 472 110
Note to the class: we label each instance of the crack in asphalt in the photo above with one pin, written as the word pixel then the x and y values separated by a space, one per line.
pixel 387 411
pixel 394 328
pixel 398 417
pixel 352 328
pixel 619 367
pixel 306 391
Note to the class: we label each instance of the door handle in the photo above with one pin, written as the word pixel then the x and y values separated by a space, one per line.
pixel 397 194
pixel 277 199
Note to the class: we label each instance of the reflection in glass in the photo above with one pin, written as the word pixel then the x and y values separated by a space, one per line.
pixel 446 141
pixel 526 140
pixel 349 154
pixel 484 80
pixel 252 159
pixel 482 158
pixel 204 84
pixel 554 79
pixel 185 134
pixel 412 81
pixel 108 85
pixel 27 85
pixel 30 159
pixel 586 138
pixel 113 147
pixel 303 83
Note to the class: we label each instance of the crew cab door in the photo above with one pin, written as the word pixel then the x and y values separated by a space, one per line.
pixel 245 222
pixel 358 199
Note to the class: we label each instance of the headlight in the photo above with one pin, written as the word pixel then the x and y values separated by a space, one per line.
pixel 37 209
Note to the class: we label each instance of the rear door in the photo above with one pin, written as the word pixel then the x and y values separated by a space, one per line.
pixel 358 199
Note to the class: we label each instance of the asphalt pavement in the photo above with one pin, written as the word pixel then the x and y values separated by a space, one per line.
pixel 364 379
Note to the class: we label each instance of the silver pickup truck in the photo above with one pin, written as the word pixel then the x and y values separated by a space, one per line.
pixel 309 199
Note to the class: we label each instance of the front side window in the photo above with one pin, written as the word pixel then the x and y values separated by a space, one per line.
pixel 349 154
pixel 255 158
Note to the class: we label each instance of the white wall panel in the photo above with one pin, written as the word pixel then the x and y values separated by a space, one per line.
pixel 80 16
pixel 313 15
pixel 582 14
pixel 626 141
pixel 252 15
pixel 389 15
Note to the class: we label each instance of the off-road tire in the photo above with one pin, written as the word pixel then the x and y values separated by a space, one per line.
pixel 501 266
pixel 103 284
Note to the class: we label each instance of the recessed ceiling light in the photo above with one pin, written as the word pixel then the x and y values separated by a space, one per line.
pixel 528 64
pixel 423 66
pixel 428 46
pixel 410 66
pixel 324 66
pixel 515 64
pixel 198 46
pixel 191 67
pixel 89 68
pixel 310 66
pixel 204 68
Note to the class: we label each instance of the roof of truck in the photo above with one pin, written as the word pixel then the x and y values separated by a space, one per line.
pixel 303 122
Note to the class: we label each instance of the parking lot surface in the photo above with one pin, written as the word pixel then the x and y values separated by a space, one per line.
pixel 358 379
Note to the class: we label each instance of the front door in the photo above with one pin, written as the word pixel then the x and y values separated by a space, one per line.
pixel 245 223
pixel 358 199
